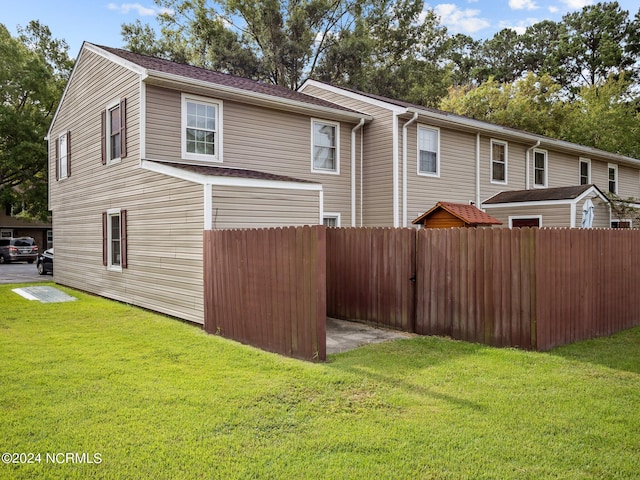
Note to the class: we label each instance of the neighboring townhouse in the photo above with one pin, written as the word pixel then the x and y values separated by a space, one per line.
pixel 414 157
pixel 144 154
pixel 13 226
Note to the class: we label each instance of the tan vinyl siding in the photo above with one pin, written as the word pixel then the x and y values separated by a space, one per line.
pixel 601 214
pixel 456 182
pixel 254 138
pixel 378 158
pixel 235 207
pixel 165 215
pixel 552 215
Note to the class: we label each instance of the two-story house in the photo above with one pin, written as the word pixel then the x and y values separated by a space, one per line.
pixel 146 153
pixel 415 157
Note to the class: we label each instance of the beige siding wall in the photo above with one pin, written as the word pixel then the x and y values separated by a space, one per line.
pixel 254 138
pixel 235 207
pixel 552 215
pixel 377 174
pixel 165 215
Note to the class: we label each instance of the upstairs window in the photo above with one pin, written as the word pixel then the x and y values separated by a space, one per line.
pixel 498 162
pixel 114 132
pixel 585 171
pixel 428 151
pixel 613 178
pixel 540 168
pixel 63 156
pixel 201 129
pixel 325 141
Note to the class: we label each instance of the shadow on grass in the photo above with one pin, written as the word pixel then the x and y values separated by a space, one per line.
pixel 391 363
pixel 620 351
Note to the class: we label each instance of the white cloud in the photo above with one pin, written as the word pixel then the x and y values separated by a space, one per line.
pixel 523 5
pixel 577 4
pixel 521 26
pixel 459 20
pixel 141 10
pixel 553 9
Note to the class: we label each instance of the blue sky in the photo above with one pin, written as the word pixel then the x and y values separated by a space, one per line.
pixel 100 21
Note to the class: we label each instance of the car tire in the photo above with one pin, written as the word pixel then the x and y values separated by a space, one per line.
pixel 2 260
pixel 29 262
pixel 41 269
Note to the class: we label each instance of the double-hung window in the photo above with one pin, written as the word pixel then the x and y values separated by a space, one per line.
pixel 324 148
pixel 499 153
pixel 613 178
pixel 114 239
pixel 428 151
pixel 201 128
pixel 114 132
pixel 63 156
pixel 585 171
pixel 540 168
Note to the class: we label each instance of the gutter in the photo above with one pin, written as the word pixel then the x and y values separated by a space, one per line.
pixel 404 167
pixel 353 171
pixel 396 186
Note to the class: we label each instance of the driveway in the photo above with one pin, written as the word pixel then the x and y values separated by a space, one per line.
pixel 21 273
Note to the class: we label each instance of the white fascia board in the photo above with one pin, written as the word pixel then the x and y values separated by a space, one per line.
pixel 356 96
pixel 271 99
pixel 549 143
pixel 227 181
pixel 590 191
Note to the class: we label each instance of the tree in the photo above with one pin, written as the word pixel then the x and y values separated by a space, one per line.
pixel 35 70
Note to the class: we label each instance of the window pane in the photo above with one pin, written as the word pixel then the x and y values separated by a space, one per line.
pixel 115 239
pixel 330 221
pixel 324 158
pixel 498 152
pixel 115 146
pixel 324 135
pixel 539 160
pixel 428 163
pixel 115 119
pixel 539 177
pixel 498 171
pixel 200 132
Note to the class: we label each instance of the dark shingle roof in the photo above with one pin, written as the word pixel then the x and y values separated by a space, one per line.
pixel 467 213
pixel 232 172
pixel 540 194
pixel 217 78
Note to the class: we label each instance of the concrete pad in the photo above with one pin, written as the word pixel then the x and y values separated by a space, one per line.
pixel 343 335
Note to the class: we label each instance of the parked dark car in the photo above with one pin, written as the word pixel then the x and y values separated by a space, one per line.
pixel 20 249
pixel 45 262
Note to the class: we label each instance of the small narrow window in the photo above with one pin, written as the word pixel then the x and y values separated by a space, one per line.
pixel 63 156
pixel 428 151
pixel 325 143
pixel 540 168
pixel 114 239
pixel 498 162
pixel 331 220
pixel 114 132
pixel 613 178
pixel 585 171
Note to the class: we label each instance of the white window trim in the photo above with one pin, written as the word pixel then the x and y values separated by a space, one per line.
pixel 546 168
pixel 613 166
pixel 217 157
pixel 427 174
pixel 524 217
pixel 335 215
pixel 112 212
pixel 109 107
pixel 588 162
pixel 6 233
pixel 336 171
pixel 62 154
pixel 506 162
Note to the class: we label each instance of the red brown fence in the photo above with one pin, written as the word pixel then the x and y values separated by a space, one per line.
pixel 530 288
pixel 267 288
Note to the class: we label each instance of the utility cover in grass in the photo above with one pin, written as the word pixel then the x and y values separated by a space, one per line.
pixel 44 294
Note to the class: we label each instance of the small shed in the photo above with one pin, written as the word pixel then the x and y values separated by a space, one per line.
pixel 451 215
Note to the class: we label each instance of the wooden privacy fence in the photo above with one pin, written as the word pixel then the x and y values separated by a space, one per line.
pixel 528 288
pixel 267 288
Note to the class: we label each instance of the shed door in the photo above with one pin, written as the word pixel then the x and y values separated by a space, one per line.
pixel 525 222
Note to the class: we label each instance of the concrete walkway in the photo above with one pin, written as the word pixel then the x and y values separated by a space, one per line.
pixel 343 335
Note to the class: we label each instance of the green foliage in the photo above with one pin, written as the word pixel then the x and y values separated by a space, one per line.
pixel 158 398
pixel 35 71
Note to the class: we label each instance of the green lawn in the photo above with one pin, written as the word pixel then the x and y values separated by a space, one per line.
pixel 151 397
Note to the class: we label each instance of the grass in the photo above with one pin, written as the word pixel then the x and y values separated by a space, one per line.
pixel 156 398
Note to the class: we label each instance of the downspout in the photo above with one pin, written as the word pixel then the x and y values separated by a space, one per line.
pixel 208 206
pixel 361 178
pixel 404 168
pixel 395 202
pixel 478 170
pixel 528 160
pixel 353 171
